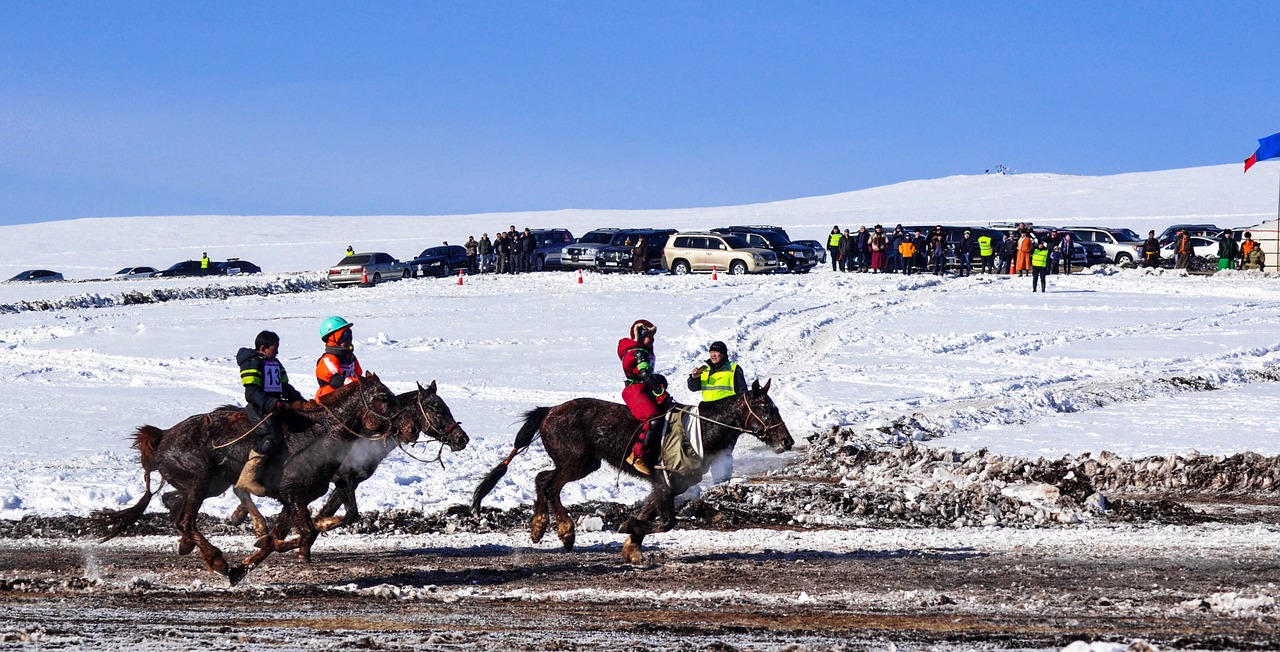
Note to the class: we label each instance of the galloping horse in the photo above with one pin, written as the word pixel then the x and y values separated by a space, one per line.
pixel 431 416
pixel 581 433
pixel 193 457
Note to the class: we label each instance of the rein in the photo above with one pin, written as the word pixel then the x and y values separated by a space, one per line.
pixel 751 413
pixel 246 434
pixel 427 420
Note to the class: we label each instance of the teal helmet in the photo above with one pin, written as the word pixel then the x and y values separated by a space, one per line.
pixel 333 325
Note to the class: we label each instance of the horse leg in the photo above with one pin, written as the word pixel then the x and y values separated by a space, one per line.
pixel 269 543
pixel 538 524
pixel 345 496
pixel 210 553
pixel 562 477
pixel 631 549
pixel 307 534
pixel 247 508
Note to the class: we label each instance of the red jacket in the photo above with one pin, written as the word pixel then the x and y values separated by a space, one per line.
pixel 637 361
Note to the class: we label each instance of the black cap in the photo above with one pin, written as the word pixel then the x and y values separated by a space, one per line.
pixel 719 346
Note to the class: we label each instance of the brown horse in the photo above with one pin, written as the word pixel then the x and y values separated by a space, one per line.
pixel 583 432
pixel 431 417
pixel 198 460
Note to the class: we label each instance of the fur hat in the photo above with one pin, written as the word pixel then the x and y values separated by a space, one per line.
pixel 642 327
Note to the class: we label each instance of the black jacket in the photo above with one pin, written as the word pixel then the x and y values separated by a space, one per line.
pixel 251 375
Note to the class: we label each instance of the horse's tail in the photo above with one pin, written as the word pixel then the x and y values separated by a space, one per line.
pixel 528 432
pixel 113 522
pixel 146 440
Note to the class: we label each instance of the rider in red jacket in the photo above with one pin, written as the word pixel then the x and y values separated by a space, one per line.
pixel 646 393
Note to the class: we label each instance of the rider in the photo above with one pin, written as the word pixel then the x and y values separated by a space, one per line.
pixel 268 393
pixel 646 392
pixel 338 366
pixel 720 377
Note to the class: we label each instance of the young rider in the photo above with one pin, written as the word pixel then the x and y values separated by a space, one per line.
pixel 268 393
pixel 646 393
pixel 338 366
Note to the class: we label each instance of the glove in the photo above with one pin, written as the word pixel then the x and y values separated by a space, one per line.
pixel 281 405
pixel 297 405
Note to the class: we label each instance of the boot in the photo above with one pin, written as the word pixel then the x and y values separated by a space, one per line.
pixel 248 480
pixel 636 457
pixel 638 464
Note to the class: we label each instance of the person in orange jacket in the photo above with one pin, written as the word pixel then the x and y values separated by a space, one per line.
pixel 338 366
pixel 1025 245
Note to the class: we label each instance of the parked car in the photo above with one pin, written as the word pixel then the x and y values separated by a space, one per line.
pixel 1094 254
pixel 704 251
pixel 818 249
pixel 135 272
pixel 377 265
pixel 549 245
pixel 37 275
pixel 232 266
pixel 620 257
pixel 1207 230
pixel 439 261
pixel 1118 243
pixel 797 259
pixel 184 268
pixel 1204 254
pixel 582 254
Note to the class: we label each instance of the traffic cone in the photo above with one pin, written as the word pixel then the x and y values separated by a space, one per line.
pixel 364 276
pixel 459 277
pixel 714 276
pixel 579 277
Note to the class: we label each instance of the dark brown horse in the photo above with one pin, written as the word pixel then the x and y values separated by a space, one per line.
pixel 583 432
pixel 431 417
pixel 198 459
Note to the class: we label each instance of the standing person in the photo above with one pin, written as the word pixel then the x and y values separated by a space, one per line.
pixel 640 256
pixel 938 251
pixel 879 242
pixel 717 379
pixel 204 263
pixel 1008 251
pixel 1040 266
pixel 986 251
pixel 473 250
pixel 862 249
pixel 513 252
pixel 645 392
pixel 268 394
pixel 1055 254
pixel 846 252
pixel 1151 251
pixel 1182 250
pixel 528 244
pixel 1025 245
pixel 338 365
pixel 907 253
pixel 895 250
pixel 1066 247
pixel 964 254
pixel 350 250
pixel 1228 250
pixel 833 247
pixel 484 249
pixel 921 258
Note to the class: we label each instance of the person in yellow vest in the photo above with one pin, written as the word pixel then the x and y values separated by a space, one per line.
pixel 204 263
pixel 1040 266
pixel 986 251
pixel 718 379
pixel 351 251
pixel 833 246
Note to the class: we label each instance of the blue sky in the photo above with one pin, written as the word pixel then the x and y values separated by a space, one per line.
pixel 133 108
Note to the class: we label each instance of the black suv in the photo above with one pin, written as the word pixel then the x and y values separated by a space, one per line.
pixel 1206 230
pixel 798 258
pixel 187 268
pixel 439 261
pixel 618 257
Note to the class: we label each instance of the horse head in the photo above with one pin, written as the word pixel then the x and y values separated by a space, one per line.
pixel 763 420
pixel 377 405
pixel 435 420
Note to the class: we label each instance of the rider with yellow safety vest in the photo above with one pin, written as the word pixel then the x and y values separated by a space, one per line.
pixel 268 394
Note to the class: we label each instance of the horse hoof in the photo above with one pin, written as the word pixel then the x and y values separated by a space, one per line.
pixel 237 517
pixel 538 527
pixel 567 535
pixel 185 547
pixel 237 573
pixel 631 553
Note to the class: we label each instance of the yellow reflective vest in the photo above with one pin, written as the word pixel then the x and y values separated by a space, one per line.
pixel 984 245
pixel 719 384
pixel 833 240
pixel 1040 257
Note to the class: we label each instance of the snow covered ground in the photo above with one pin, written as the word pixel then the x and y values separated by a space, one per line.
pixel 982 360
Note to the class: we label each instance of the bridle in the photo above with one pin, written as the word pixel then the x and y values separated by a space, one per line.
pixel 758 433
pixel 428 421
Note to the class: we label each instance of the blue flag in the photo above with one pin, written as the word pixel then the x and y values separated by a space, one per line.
pixel 1268 147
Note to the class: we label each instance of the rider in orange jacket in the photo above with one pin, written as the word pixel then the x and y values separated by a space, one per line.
pixel 646 392
pixel 338 366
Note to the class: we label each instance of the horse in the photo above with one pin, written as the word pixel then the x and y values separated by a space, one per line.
pixel 192 458
pixel 432 417
pixel 581 433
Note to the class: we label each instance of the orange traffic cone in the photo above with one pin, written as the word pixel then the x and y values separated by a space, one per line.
pixel 714 276
pixel 364 276
pixel 579 276
pixel 459 277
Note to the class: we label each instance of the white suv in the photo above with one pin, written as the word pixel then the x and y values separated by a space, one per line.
pixel 1118 243
pixel 704 251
